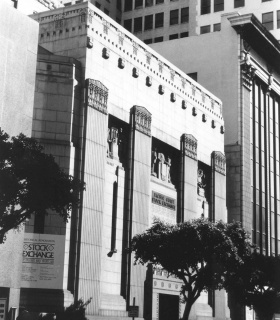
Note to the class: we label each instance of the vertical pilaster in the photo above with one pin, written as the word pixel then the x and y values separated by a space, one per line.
pixel 188 184
pixel 139 195
pixel 94 158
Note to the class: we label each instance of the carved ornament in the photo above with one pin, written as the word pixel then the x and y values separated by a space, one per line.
pixel 97 95
pixel 142 120
pixel 189 146
pixel 148 57
pixel 219 162
pixel 106 26
pixel 121 38
pixel 89 42
pixel 86 15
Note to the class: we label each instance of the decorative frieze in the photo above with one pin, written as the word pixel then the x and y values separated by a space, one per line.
pixel 59 20
pixel 189 146
pixel 86 15
pixel 219 162
pixel 96 95
pixel 141 119
pixel 106 26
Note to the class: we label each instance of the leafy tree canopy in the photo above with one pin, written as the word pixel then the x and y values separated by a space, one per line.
pixel 31 182
pixel 201 253
pixel 257 285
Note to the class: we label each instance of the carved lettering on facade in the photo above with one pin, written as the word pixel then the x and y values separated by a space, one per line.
pixel 142 120
pixel 97 95
pixel 219 162
pixel 189 146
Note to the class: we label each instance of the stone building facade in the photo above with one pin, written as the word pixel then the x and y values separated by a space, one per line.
pixel 245 56
pixel 149 143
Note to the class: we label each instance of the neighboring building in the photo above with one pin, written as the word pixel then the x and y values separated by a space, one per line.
pixel 19 41
pixel 241 65
pixel 33 6
pixel 147 140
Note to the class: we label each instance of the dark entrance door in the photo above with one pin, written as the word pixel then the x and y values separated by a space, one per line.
pixel 168 307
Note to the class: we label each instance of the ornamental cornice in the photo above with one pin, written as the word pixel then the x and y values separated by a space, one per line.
pixel 141 120
pixel 219 162
pixel 189 146
pixel 96 95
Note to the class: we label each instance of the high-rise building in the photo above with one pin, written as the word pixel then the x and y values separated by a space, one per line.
pixel 240 64
pixel 161 20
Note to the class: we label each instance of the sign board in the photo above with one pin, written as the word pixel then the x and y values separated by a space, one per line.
pixel 163 207
pixel 164 201
pixel 133 311
pixel 42 261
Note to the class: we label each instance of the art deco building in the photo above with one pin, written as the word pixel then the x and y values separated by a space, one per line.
pixel 241 66
pixel 147 140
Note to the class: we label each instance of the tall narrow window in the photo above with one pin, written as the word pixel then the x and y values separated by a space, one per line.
pixel 148 22
pixel 267 20
pixel 127 5
pixel 159 20
pixel 128 25
pixel 185 15
pixel 239 3
pixel 138 24
pixel 218 5
pixel 205 6
pixel 148 3
pixel 174 17
pixel 138 4
pixel 278 19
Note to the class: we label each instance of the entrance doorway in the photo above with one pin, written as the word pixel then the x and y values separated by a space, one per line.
pixel 168 307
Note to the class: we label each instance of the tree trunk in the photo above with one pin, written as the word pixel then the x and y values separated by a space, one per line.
pixel 187 310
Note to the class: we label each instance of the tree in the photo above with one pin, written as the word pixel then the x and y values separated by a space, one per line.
pixel 31 182
pixel 257 285
pixel 201 253
pixel 76 311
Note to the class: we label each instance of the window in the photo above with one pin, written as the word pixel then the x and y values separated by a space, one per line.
pixel 185 15
pixel 159 1
pixel 205 6
pixel 97 4
pixel 148 41
pixel 217 27
pixel 128 25
pixel 267 20
pixel 106 11
pixel 148 22
pixel 184 34
pixel 138 4
pixel 265 0
pixel 174 17
pixel 159 20
pixel 193 75
pixel 148 3
pixel 79 1
pixel 174 36
pixel 204 29
pixel 138 24
pixel 67 4
pixel 127 5
pixel 278 19
pixel 218 5
pixel 158 39
pixel 239 3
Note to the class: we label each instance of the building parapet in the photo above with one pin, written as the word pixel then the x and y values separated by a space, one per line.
pixel 116 38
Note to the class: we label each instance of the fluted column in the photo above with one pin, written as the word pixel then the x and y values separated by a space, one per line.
pixel 188 184
pixel 139 195
pixel 94 157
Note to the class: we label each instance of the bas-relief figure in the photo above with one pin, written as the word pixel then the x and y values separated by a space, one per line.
pixel 160 167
